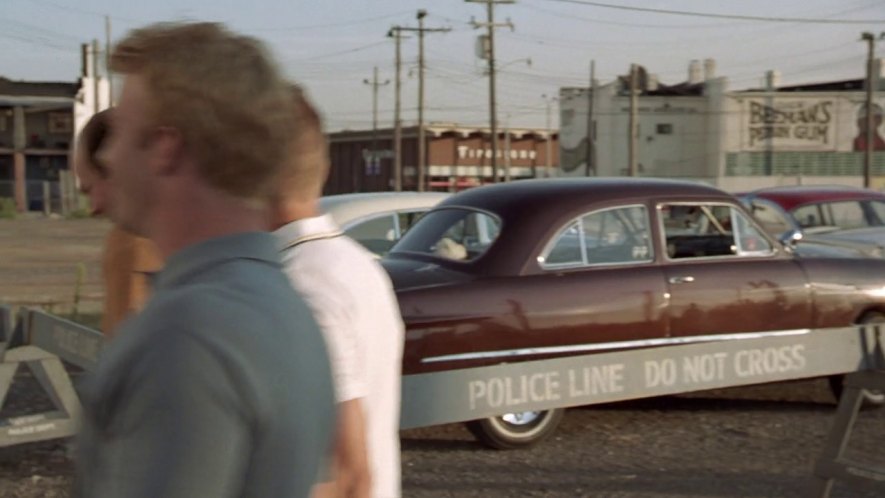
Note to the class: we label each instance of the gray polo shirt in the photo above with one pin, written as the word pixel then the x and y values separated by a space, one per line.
pixel 220 387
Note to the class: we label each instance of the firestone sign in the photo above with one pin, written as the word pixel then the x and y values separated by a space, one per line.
pixel 466 152
pixel 789 124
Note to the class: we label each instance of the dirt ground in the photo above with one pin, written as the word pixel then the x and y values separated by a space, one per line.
pixel 48 262
pixel 753 442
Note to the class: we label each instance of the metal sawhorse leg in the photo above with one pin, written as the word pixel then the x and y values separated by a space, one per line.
pixel 833 465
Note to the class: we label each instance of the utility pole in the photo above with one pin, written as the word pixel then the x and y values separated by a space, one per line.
pixel 97 105
pixel 422 142
pixel 589 160
pixel 491 25
pixel 373 157
pixel 507 148
pixel 107 59
pixel 868 150
pixel 548 100
pixel 396 32
pixel 633 121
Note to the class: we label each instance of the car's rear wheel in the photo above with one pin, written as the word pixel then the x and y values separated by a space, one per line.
pixel 871 399
pixel 516 430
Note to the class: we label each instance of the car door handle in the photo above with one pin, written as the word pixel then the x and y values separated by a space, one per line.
pixel 681 280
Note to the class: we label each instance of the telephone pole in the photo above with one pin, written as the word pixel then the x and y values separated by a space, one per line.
pixel 396 32
pixel 95 87
pixel 491 25
pixel 374 160
pixel 548 99
pixel 590 159
pixel 107 59
pixel 868 150
pixel 634 121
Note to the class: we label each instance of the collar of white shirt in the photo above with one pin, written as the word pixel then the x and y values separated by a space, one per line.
pixel 306 229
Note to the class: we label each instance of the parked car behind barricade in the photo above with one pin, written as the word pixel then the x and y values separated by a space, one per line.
pixel 538 269
pixel 826 218
pixel 378 219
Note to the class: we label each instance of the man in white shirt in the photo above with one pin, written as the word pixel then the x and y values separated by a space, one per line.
pixel 353 301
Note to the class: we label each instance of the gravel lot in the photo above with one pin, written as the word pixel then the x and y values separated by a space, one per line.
pixel 757 441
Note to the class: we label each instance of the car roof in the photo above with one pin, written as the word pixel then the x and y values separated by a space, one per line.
pixel 504 197
pixel 345 208
pixel 534 208
pixel 791 197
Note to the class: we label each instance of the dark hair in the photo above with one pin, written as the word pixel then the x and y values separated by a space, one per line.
pixel 92 137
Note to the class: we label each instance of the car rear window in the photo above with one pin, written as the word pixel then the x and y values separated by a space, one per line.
pixel 458 234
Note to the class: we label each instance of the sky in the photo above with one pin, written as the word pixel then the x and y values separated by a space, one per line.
pixel 332 46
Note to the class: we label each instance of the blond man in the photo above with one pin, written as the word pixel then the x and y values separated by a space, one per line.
pixel 220 386
pixel 353 300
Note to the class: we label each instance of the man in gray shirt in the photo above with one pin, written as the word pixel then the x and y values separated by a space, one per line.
pixel 221 386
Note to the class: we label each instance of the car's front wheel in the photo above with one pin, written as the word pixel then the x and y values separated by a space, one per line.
pixel 871 399
pixel 516 430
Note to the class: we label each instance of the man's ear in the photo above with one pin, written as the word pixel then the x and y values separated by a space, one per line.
pixel 166 147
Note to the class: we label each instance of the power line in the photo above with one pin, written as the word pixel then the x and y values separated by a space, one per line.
pixel 86 12
pixel 341 52
pixel 39 42
pixel 571 16
pixel 739 17
pixel 353 22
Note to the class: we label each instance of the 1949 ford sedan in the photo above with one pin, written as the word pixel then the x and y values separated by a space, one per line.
pixel 543 268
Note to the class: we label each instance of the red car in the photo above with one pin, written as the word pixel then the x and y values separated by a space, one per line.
pixel 837 215
pixel 544 268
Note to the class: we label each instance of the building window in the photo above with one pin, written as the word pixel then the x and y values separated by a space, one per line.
pixel 665 129
pixel 60 122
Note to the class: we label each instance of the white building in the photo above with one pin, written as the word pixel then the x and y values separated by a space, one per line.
pixel 736 140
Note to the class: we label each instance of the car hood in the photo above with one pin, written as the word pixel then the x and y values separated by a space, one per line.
pixel 811 248
pixel 867 240
pixel 409 273
pixel 874 235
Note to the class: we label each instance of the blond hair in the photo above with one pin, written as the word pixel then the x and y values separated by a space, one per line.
pixel 307 166
pixel 222 92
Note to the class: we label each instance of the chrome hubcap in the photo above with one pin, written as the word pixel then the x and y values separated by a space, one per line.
pixel 521 418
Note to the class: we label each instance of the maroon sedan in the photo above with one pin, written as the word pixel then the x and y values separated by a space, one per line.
pixel 542 268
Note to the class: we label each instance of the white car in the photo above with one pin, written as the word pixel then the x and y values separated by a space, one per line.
pixel 378 219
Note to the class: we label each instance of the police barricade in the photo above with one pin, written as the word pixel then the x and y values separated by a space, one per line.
pixel 744 359
pixel 834 463
pixel 40 340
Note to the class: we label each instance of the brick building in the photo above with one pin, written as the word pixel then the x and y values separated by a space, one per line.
pixel 36 131
pixel 457 158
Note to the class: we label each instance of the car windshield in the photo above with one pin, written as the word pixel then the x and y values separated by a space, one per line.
pixel 459 234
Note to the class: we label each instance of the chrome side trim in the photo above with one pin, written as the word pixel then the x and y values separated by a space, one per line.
pixel 608 346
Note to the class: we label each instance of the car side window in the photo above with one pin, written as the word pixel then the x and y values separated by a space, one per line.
pixel 375 234
pixel 810 216
pixel 459 234
pixel 407 219
pixel 771 219
pixel 567 249
pixel 878 209
pixel 847 214
pixel 619 235
pixel 705 230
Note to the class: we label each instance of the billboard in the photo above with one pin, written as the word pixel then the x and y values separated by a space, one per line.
pixel 808 123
